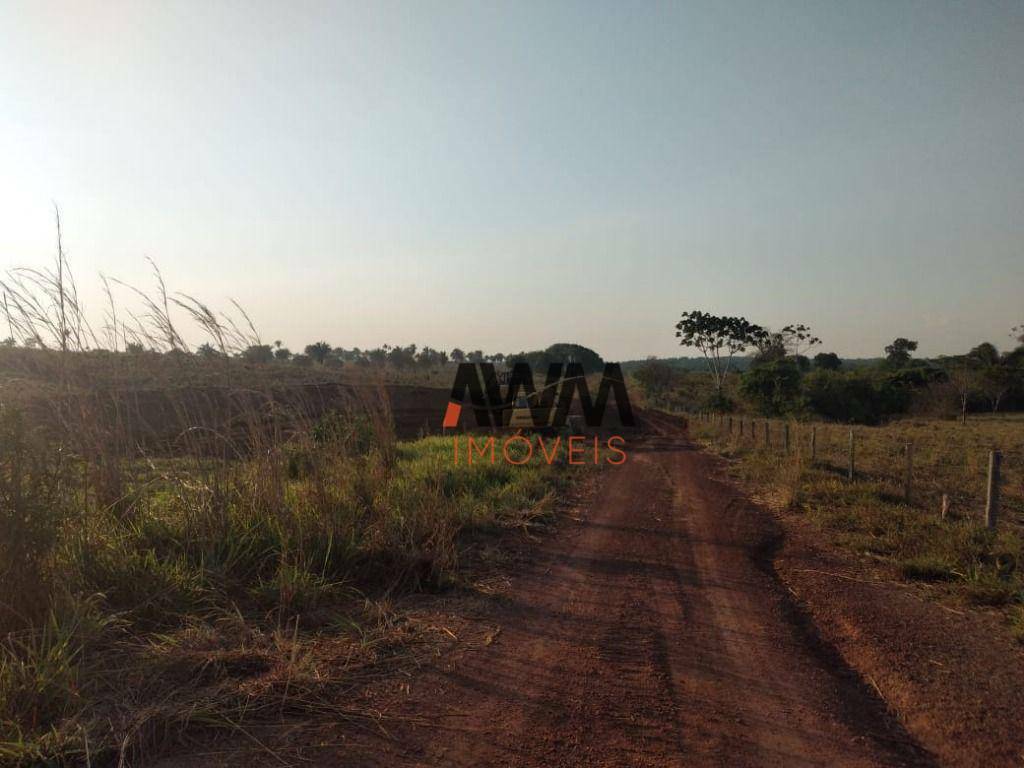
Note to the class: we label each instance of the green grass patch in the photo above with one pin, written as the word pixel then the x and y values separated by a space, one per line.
pixel 154 603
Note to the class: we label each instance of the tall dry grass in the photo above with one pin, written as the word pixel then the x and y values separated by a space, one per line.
pixel 178 536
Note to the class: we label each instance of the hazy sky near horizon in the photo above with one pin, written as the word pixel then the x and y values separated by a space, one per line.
pixel 506 175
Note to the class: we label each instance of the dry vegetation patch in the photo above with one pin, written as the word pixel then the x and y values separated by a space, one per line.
pixel 870 516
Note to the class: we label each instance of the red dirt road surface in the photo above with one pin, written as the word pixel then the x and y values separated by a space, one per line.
pixel 651 631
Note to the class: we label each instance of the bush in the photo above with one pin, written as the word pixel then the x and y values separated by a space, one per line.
pixel 773 388
pixel 719 402
pixel 655 377
pixel 846 397
pixel 927 568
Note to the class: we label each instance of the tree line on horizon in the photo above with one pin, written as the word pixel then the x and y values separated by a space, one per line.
pixel 397 357
pixel 411 356
pixel 42 311
pixel 783 378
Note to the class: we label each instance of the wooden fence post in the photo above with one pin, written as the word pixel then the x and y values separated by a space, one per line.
pixel 945 506
pixel 908 471
pixel 767 435
pixel 729 426
pixel 849 469
pixel 814 443
pixel 995 459
pixel 785 437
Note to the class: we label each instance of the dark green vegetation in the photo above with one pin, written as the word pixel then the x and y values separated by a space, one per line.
pixel 404 359
pixel 781 379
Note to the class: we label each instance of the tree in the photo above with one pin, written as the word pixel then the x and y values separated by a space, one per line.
pixel 996 381
pixel 789 341
pixel 985 354
pixel 257 353
pixel 718 339
pixel 996 373
pixel 770 348
pixel 207 351
pixel 827 361
pixel 564 352
pixel 797 339
pixel 429 357
pixel 897 354
pixel 476 356
pixel 282 353
pixel 964 374
pixel 318 351
pixel 458 356
pixel 402 357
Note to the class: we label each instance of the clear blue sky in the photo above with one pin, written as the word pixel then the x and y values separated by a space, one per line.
pixel 506 175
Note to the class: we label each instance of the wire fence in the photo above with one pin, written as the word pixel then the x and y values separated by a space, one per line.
pixel 972 470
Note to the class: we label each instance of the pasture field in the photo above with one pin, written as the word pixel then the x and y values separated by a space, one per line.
pixel 871 516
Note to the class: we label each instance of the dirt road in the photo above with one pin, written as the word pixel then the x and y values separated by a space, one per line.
pixel 650 632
